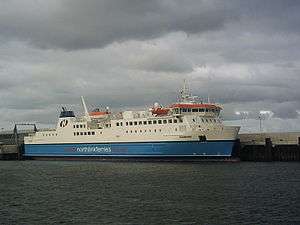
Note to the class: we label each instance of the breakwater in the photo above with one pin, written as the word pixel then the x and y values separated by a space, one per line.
pixel 249 147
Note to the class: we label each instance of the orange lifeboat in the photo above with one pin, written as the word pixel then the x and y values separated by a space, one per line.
pixel 160 111
pixel 96 113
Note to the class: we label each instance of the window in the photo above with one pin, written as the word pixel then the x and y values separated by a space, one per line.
pixel 135 131
pixel 126 123
pixel 83 126
pixel 130 123
pixel 135 122
pixel 89 133
pixel 140 122
pixel 74 133
pixel 77 133
pixel 202 120
pixel 77 126
pixel 175 121
pixel 127 131
pixel 170 120
pixel 189 110
pixel 175 129
pixel 149 130
pixel 131 131
pixel 93 132
pixel 84 133
pixel 159 130
pixel 117 124
pixel 81 133
pixel 194 110
pixel 206 120
pixel 164 121
pixel 141 131
pixel 121 123
pixel 145 122
pixel 74 126
pixel 159 121
pixel 154 122
pixel 154 130
pixel 201 110
pixel 80 125
pixel 184 110
pixel 149 122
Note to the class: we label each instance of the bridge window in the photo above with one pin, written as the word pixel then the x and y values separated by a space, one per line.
pixel 145 122
pixel 150 122
pixel 164 121
pixel 130 123
pixel 154 122
pixel 159 121
pixel 135 122
pixel 170 120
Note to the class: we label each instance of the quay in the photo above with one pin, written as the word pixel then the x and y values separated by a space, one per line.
pixel 249 147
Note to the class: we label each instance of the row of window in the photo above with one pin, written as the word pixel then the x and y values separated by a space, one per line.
pixel 198 110
pixel 149 122
pixel 48 135
pixel 84 133
pixel 141 131
pixel 79 126
pixel 207 120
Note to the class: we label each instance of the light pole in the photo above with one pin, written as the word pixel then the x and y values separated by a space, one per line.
pixel 262 116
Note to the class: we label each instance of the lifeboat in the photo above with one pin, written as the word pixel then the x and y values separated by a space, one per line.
pixel 96 113
pixel 160 111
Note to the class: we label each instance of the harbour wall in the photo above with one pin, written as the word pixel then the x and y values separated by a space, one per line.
pixel 249 147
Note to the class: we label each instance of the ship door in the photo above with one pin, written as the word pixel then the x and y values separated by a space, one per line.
pixel 202 138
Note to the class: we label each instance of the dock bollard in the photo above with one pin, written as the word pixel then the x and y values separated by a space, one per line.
pixel 268 149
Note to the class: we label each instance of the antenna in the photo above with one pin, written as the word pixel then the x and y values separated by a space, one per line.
pixel 86 113
pixel 185 93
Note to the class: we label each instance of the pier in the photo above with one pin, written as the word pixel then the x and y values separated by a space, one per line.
pixel 265 147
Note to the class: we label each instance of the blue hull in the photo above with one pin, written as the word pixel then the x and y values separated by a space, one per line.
pixel 145 149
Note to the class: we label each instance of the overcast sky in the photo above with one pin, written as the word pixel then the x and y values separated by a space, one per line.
pixel 132 53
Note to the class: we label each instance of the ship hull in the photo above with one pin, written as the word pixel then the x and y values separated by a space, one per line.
pixel 169 149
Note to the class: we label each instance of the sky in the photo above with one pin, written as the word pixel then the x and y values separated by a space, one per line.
pixel 128 54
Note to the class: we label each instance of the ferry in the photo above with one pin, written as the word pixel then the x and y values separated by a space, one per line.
pixel 185 129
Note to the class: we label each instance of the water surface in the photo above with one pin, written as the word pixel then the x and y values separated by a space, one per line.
pixel 51 192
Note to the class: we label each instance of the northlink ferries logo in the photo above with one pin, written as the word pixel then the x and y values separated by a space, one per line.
pixel 63 123
pixel 89 149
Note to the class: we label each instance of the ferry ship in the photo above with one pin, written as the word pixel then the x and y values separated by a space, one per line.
pixel 185 129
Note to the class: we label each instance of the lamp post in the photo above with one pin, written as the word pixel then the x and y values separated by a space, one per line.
pixel 262 116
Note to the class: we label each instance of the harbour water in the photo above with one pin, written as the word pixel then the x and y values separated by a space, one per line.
pixel 91 192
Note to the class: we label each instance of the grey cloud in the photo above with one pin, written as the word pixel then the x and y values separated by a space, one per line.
pixel 130 54
pixel 76 24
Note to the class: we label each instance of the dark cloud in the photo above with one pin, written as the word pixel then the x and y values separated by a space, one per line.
pixel 130 54
pixel 75 24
